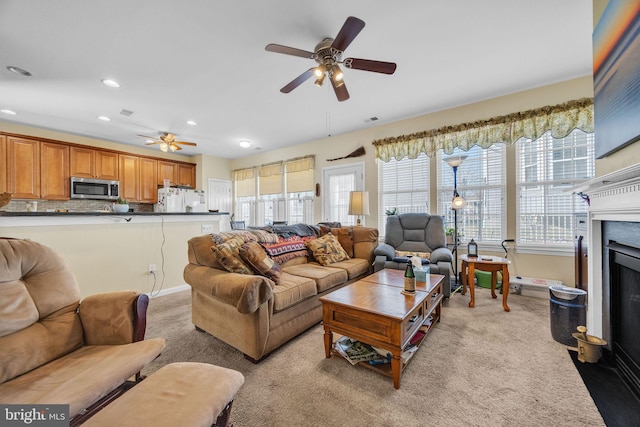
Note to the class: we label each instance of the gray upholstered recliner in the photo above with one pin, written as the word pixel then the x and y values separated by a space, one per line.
pixel 416 232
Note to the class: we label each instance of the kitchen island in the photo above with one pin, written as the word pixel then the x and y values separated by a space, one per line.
pixel 114 251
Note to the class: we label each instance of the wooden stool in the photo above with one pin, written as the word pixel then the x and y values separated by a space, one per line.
pixel 179 394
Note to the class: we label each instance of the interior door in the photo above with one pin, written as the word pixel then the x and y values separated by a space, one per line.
pixel 220 198
pixel 338 182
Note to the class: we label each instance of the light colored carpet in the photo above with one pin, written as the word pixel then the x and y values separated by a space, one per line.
pixel 478 367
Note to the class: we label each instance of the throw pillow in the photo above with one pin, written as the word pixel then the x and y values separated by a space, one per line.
pixel 344 235
pixel 286 249
pixel 228 256
pixel 257 258
pixel 327 250
pixel 423 255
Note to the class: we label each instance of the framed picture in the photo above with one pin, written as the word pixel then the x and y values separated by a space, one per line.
pixel 616 77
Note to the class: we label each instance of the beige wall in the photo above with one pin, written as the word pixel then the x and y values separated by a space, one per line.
pixel 115 255
pixel 555 267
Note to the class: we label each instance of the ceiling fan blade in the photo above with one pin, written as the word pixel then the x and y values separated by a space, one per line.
pixel 153 143
pixel 351 28
pixel 297 81
pixel 370 65
pixel 147 136
pixel 278 48
pixel 175 147
pixel 341 91
pixel 193 144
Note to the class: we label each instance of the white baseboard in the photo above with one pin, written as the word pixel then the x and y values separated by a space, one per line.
pixel 169 291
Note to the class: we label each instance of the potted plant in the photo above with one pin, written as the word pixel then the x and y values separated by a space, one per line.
pixel 391 211
pixel 449 231
pixel 121 205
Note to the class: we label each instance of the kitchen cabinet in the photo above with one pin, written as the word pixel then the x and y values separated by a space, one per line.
pixel 129 177
pixel 138 179
pixel 167 170
pixel 3 163
pixel 23 168
pixel 186 175
pixel 92 163
pixel 148 180
pixel 54 171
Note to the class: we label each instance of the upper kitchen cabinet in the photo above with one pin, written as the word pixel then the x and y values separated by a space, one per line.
pixel 167 170
pixel 54 171
pixel 91 163
pixel 129 177
pixel 23 168
pixel 3 163
pixel 148 180
pixel 186 175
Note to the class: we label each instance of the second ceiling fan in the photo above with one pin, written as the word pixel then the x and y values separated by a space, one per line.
pixel 167 142
pixel 328 54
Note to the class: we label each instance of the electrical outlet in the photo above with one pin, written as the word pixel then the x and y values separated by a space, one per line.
pixel 207 229
pixel 152 268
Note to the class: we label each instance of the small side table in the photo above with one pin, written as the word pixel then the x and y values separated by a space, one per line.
pixel 490 264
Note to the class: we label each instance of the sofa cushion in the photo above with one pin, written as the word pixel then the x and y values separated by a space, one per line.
pixel 243 235
pixel 82 377
pixel 292 290
pixel 327 250
pixel 354 267
pixel 228 255
pixel 256 257
pixel 325 277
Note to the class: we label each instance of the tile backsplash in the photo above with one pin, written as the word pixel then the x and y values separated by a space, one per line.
pixel 20 205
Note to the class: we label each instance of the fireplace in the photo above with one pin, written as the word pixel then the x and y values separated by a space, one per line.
pixel 621 291
pixel 614 244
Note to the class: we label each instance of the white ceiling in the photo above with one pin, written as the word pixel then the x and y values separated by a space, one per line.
pixel 205 60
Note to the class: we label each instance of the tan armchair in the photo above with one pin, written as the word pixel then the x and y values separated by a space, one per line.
pixel 55 349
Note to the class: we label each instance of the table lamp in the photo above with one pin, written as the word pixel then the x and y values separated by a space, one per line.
pixel 359 204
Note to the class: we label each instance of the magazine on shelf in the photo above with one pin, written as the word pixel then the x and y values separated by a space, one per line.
pixel 355 351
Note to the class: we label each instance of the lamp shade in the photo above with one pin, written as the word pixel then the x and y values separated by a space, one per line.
pixel 359 203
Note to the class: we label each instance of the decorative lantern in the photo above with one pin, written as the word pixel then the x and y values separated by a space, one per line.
pixel 472 249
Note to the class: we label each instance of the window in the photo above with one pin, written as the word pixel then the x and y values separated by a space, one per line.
pixel 284 192
pixel 403 185
pixel 481 181
pixel 547 169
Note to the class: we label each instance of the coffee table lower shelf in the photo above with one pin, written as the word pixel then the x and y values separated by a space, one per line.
pixel 375 312
pixel 385 368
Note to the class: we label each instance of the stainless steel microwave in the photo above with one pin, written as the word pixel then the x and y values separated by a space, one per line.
pixel 89 188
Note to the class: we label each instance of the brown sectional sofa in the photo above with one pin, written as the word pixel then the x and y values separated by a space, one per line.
pixel 254 314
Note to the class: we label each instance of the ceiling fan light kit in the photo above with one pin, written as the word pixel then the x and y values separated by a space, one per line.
pixel 328 54
pixel 167 142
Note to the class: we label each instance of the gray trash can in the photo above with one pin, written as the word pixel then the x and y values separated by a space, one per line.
pixel 568 311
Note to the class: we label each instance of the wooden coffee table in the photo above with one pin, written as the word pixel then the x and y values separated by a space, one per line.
pixel 374 311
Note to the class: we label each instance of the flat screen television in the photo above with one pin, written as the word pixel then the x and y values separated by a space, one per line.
pixel 616 77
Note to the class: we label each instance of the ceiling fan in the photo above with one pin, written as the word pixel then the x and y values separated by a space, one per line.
pixel 328 54
pixel 167 141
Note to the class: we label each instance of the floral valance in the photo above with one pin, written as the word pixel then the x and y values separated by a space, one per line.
pixel 559 119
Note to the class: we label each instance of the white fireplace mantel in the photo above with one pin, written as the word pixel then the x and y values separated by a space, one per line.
pixel 613 197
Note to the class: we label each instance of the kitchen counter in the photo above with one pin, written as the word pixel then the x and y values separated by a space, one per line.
pixel 42 218
pixel 106 213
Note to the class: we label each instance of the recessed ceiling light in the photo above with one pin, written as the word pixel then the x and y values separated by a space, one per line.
pixel 10 112
pixel 19 70
pixel 191 123
pixel 110 83
pixel 245 144
pixel 104 118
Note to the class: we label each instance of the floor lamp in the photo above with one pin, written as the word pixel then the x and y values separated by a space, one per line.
pixel 456 203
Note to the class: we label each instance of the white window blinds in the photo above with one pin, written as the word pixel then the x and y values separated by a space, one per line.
pixel 547 169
